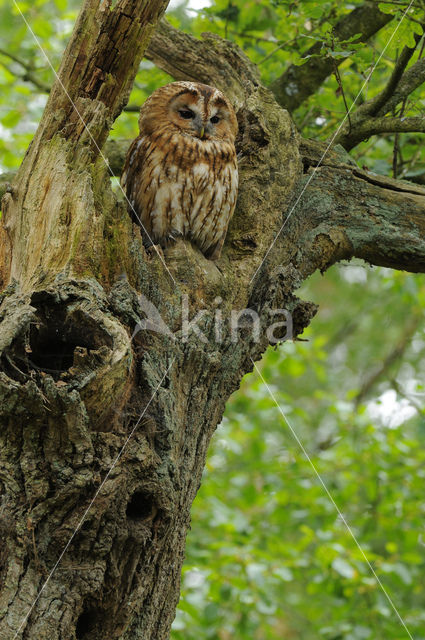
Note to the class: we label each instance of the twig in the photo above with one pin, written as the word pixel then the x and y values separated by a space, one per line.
pixel 374 106
pixel 281 46
pixel 397 387
pixel 341 88
pixel 365 20
pixel 28 76
pixel 402 3
pixel 422 47
pixel 396 149
pixel 245 34
pixel 391 358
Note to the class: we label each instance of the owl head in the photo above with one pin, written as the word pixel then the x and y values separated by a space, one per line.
pixel 193 109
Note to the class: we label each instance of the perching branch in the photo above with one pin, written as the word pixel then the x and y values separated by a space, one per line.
pixel 299 82
pixel 356 213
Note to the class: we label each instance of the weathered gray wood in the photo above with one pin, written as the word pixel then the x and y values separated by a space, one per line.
pixel 77 380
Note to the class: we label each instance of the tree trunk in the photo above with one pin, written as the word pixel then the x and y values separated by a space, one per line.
pixel 106 414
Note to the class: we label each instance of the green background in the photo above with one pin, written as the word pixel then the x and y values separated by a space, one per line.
pixel 268 556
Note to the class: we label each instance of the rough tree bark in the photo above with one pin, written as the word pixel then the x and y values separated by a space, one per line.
pixel 104 437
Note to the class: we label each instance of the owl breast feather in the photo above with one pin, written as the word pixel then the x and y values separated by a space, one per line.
pixel 182 186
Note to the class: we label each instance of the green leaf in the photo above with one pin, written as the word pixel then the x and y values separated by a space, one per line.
pixel 11 119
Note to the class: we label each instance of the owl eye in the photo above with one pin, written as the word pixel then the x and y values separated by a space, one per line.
pixel 187 114
pixel 215 119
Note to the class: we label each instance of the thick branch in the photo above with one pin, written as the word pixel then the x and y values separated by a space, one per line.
pixel 298 83
pixel 373 126
pixel 211 60
pixel 356 213
pixel 94 81
pixel 114 152
pixel 361 120
pixel 77 379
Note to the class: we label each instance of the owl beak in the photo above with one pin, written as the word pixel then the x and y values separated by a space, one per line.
pixel 198 127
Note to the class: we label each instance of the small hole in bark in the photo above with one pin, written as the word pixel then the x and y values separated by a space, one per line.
pixel 86 526
pixel 245 243
pixel 86 624
pixel 306 165
pixel 141 506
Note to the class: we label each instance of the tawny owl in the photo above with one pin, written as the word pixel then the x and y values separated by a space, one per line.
pixel 181 174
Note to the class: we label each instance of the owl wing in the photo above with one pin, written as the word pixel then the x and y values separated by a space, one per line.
pixel 214 250
pixel 132 183
pixel 226 190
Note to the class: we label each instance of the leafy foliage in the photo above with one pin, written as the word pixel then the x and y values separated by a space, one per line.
pixel 278 34
pixel 269 556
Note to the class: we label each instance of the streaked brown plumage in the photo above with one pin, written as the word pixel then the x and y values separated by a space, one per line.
pixel 181 174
